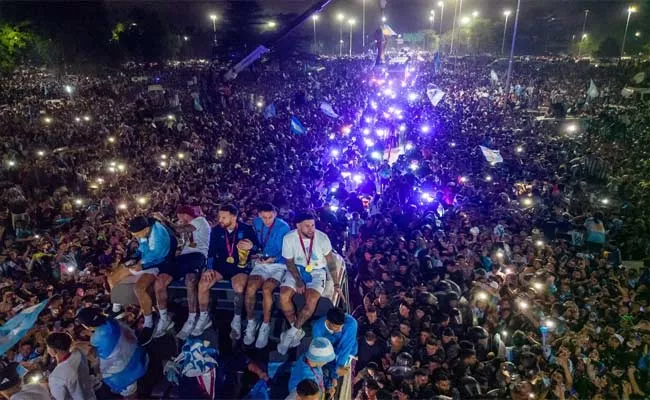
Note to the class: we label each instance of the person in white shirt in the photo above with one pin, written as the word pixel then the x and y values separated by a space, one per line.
pixel 308 255
pixel 12 389
pixel 196 231
pixel 70 380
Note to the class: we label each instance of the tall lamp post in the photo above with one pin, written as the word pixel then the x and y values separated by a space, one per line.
pixel 314 18
pixel 583 36
pixel 441 4
pixel 340 17
pixel 363 25
pixel 512 49
pixel 432 18
pixel 351 22
pixel 213 17
pixel 630 10
pixel 453 28
pixel 506 13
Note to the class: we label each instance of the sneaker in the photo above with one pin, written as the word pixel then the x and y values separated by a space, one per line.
pixel 145 337
pixel 201 325
pixel 235 325
pixel 249 334
pixel 263 336
pixel 163 325
pixel 297 338
pixel 187 328
pixel 283 346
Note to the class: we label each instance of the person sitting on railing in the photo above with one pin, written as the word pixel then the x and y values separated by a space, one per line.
pixel 310 366
pixel 341 330
pixel 226 263
pixel 268 271
pixel 189 263
pixel 307 252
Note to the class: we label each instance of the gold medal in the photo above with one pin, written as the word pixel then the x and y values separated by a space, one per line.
pixel 230 260
pixel 309 268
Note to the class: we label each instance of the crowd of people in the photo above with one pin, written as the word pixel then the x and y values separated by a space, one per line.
pixel 468 278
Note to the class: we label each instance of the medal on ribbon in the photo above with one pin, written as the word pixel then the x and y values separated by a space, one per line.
pixel 308 267
pixel 230 246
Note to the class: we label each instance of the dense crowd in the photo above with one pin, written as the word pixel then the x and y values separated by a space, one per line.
pixel 468 279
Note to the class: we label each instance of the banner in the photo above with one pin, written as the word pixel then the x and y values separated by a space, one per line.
pixel 17 327
pixel 592 92
pixel 270 111
pixel 491 156
pixel 435 95
pixel 328 110
pixel 296 127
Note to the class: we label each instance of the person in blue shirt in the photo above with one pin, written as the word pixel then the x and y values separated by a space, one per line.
pixel 310 366
pixel 156 248
pixel 341 330
pixel 267 273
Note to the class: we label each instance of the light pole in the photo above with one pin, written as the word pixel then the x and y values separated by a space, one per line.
pixel 363 26
pixel 314 18
pixel 432 18
pixel 441 4
pixel 506 13
pixel 340 17
pixel 512 49
pixel 630 10
pixel 213 17
pixel 351 22
pixel 453 28
pixel 584 25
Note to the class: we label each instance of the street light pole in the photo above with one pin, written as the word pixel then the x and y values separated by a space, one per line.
pixel 453 28
pixel 582 36
pixel 213 17
pixel 630 10
pixel 512 49
pixel 363 26
pixel 340 17
pixel 433 20
pixel 351 22
pixel 314 18
pixel 505 28
pixel 442 14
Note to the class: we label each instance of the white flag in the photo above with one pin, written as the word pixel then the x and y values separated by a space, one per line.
pixel 592 92
pixel 491 156
pixel 493 76
pixel 328 110
pixel 639 78
pixel 435 95
pixel 627 92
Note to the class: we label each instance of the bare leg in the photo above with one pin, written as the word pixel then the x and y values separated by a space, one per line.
pixel 160 287
pixel 254 283
pixel 286 304
pixel 267 291
pixel 191 281
pixel 311 300
pixel 238 283
pixel 141 286
pixel 208 279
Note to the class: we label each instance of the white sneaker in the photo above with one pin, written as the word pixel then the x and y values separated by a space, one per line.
pixel 202 324
pixel 263 336
pixel 187 328
pixel 235 325
pixel 163 325
pixel 285 341
pixel 249 334
pixel 297 338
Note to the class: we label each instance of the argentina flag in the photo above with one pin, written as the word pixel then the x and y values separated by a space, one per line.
pixel 17 327
pixel 121 360
pixel 270 111
pixel 296 127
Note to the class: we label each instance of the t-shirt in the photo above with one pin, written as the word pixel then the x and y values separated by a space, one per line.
pixel 70 380
pixel 201 237
pixel 291 248
pixel 595 231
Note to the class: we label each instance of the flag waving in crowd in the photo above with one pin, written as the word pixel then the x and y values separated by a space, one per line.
pixel 296 126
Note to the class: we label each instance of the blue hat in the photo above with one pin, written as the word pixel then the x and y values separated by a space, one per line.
pixel 320 351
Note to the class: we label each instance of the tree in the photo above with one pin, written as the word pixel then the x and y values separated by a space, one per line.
pixel 13 39
pixel 609 47
pixel 587 47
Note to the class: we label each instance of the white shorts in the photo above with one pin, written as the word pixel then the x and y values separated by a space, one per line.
pixel 318 279
pixel 269 271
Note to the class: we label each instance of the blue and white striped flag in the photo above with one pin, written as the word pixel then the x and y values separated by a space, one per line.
pixel 328 110
pixel 296 127
pixel 17 327
pixel 491 156
pixel 270 111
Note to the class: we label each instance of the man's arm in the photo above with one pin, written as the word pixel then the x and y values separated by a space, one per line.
pixel 293 270
pixel 331 266
pixel 182 228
